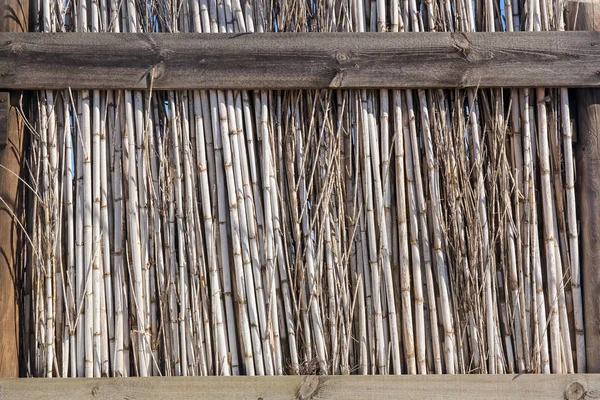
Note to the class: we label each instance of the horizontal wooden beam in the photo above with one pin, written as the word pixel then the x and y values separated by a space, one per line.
pixel 298 60
pixel 570 387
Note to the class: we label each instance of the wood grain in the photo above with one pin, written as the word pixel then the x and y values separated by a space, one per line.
pixel 531 387
pixel 299 60
pixel 585 15
pixel 4 110
pixel 14 17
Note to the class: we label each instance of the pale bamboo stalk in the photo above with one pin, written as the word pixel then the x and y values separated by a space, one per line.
pixel 277 321
pixel 48 265
pixel 116 151
pixel 381 230
pixel 249 245
pixel 422 215
pixel 228 128
pixel 128 142
pixel 70 237
pixel 172 285
pixel 520 301
pixel 303 312
pixel 279 330
pixel 126 333
pixel 313 303
pixel 253 206
pixel 156 205
pixel 446 143
pixel 225 264
pixel 96 228
pixel 204 328
pixel 56 143
pixel 142 196
pixel 190 269
pixel 372 242
pixel 549 232
pixel 442 271
pixel 561 257
pixel 306 329
pixel 211 126
pixel 331 294
pixel 383 235
pixel 107 293
pixel 482 209
pixel 181 256
pixel 567 354
pixel 531 211
pixel 88 244
pixel 414 240
pixel 407 322
pixel 463 215
pixel 79 248
pixel 573 231
pixel 208 222
pixel 356 246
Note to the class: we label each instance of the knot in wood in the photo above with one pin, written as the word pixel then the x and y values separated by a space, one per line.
pixel 15 48
pixel 341 58
pixel 164 54
pixel 462 44
pixel 309 388
pixel 575 391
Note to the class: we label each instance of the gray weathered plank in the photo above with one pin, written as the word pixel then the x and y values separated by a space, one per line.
pixel 466 387
pixel 299 60
pixel 585 15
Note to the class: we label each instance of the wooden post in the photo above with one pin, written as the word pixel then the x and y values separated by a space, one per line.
pixel 585 15
pixel 14 18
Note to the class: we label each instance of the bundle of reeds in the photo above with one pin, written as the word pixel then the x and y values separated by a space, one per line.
pixel 299 232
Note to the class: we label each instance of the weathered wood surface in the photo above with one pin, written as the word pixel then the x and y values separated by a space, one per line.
pixel 4 110
pixel 585 15
pixel 299 60
pixel 14 17
pixel 531 387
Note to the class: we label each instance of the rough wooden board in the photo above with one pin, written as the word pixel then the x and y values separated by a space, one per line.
pixel 4 109
pixel 487 387
pixel 585 15
pixel 299 60
pixel 14 17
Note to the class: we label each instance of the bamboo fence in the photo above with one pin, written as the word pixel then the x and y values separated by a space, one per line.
pixel 223 232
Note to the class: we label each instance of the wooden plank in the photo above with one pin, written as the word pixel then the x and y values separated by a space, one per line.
pixel 4 110
pixel 14 17
pixel 585 15
pixel 299 60
pixel 532 387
